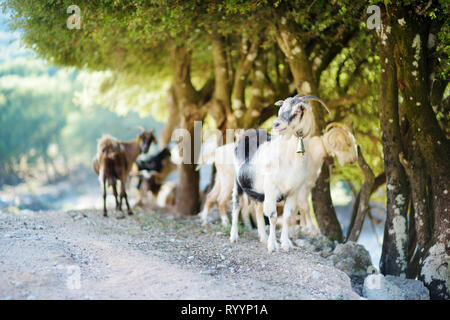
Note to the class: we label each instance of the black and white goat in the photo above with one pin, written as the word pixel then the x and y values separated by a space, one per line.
pixel 152 174
pixel 337 141
pixel 269 169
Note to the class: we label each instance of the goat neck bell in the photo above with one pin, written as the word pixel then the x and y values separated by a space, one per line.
pixel 300 145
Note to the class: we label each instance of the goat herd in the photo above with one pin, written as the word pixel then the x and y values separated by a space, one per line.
pixel 263 174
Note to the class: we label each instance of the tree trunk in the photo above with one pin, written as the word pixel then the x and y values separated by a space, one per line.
pixel 172 121
pixel 221 104
pixel 187 193
pixel 394 252
pixel 189 105
pixel 413 63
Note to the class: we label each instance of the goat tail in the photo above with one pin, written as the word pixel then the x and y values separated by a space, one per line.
pixel 96 165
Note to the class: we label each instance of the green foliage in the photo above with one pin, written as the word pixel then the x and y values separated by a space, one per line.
pixel 85 127
pixel 33 105
pixel 37 110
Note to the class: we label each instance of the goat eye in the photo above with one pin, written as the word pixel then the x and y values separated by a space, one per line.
pixel 292 117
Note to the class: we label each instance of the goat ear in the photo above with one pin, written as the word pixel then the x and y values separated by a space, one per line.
pixel 279 103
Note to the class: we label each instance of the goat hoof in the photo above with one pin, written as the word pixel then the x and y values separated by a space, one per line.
pixel 105 214
pixel 233 238
pixel 272 245
pixel 130 213
pixel 286 245
pixel 263 239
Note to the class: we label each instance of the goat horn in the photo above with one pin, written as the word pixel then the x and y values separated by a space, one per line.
pixel 342 127
pixel 314 98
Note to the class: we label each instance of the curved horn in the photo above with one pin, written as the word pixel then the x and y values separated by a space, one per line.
pixel 348 136
pixel 314 98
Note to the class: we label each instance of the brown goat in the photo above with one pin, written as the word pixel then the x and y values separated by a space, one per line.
pixel 114 161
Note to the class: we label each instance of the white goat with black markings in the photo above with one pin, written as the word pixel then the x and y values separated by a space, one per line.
pixel 337 141
pixel 269 169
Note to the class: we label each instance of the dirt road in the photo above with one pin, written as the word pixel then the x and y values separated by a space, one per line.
pixel 81 255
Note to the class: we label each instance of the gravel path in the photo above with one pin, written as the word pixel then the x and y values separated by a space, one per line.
pixel 81 255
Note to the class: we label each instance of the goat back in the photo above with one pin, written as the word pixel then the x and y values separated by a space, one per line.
pixel 249 143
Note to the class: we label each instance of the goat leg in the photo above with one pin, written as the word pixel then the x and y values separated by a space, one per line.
pixel 123 194
pixel 204 213
pixel 121 216
pixel 246 213
pixel 289 207
pixel 223 213
pixel 130 212
pixel 261 223
pixel 115 195
pixel 237 193
pixel 105 213
pixel 270 211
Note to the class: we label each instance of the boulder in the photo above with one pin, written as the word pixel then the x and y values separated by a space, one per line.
pixel 379 287
pixel 352 258
pixel 322 243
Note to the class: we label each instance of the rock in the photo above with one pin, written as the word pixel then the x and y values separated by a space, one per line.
pixel 413 289
pixel 352 258
pixel 211 272
pixel 322 243
pixel 304 244
pixel 379 287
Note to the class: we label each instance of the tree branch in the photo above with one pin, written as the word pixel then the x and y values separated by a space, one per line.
pixel 349 99
pixel 364 195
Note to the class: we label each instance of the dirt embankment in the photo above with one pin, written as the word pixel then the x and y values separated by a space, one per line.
pixel 81 255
